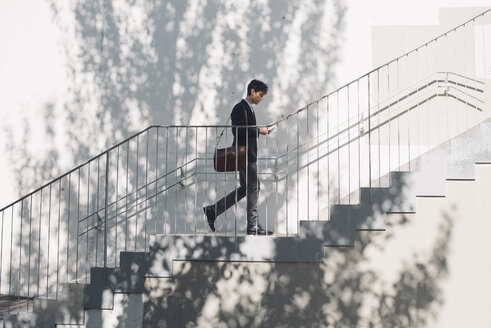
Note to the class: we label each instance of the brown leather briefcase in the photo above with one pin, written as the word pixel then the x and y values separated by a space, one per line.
pixel 230 159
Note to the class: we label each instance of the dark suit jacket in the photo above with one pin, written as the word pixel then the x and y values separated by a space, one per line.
pixel 238 118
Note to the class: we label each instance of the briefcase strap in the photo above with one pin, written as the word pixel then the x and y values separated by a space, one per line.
pixel 221 134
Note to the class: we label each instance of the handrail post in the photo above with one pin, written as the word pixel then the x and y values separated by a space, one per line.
pixel 105 209
pixel 369 140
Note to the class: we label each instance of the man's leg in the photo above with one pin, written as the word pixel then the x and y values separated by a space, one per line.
pixel 228 201
pixel 253 187
pixel 252 194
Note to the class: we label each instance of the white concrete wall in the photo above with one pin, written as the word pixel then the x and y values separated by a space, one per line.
pixel 76 77
pixel 80 76
pixel 428 269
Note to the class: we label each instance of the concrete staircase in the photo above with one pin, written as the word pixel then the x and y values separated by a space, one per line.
pixel 87 305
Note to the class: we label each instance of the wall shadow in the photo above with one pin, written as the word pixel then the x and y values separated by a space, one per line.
pixel 334 293
pixel 134 64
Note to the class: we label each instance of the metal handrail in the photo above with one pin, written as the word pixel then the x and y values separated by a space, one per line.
pixel 100 155
pixel 294 149
pixel 391 106
pixel 81 165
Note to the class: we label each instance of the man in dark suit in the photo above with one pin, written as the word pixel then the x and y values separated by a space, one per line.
pixel 249 182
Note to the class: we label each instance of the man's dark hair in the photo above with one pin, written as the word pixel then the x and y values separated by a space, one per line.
pixel 257 86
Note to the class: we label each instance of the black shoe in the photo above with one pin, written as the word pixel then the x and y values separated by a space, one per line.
pixel 210 216
pixel 258 230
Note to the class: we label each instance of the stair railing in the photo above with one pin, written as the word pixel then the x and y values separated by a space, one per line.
pixel 157 180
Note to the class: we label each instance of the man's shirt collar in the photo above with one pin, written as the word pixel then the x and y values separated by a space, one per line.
pixel 250 105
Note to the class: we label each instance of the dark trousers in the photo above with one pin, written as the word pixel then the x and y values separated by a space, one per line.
pixel 249 186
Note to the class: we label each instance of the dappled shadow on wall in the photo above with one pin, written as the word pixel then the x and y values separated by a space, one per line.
pixel 343 291
pixel 129 65
pixel 133 64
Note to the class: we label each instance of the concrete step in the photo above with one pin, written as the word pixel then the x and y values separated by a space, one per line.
pixel 468 148
pixel 453 159
pixel 126 312
pixel 399 197
pixel 25 320
pixel 128 278
pixel 67 309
